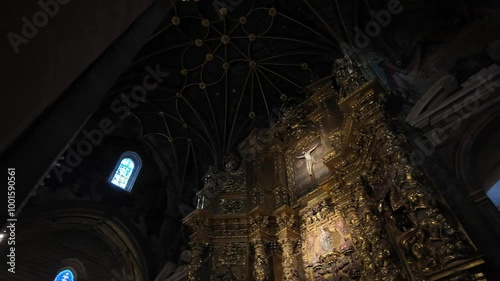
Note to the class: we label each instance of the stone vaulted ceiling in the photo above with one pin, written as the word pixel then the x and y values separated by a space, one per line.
pixel 231 68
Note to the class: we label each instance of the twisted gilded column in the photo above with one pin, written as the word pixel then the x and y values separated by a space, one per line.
pixel 199 221
pixel 288 239
pixel 259 237
pixel 290 270
pixel 261 264
pixel 197 250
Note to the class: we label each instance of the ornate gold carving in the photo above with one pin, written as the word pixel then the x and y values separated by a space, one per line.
pixel 374 218
pixel 197 250
pixel 286 221
pixel 231 206
pixel 232 179
pixel 259 222
pixel 427 238
pixel 290 265
pixel 229 260
pixel 281 195
pixel 347 76
pixel 257 195
pixel 261 264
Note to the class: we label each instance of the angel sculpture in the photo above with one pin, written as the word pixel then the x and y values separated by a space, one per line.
pixel 309 159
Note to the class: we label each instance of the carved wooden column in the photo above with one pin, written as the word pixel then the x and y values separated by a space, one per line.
pixel 197 250
pixel 261 264
pixel 199 221
pixel 288 239
pixel 280 189
pixel 259 237
pixel 255 189
pixel 290 271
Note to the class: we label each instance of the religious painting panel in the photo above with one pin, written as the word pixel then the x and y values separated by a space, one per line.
pixel 326 242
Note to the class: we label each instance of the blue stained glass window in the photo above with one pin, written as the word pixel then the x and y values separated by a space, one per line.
pixel 126 171
pixel 65 275
pixel 494 194
pixel 122 176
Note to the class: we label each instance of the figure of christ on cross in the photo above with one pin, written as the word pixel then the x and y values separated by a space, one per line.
pixel 309 159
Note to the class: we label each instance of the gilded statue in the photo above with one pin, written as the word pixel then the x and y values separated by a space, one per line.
pixel 232 179
pixel 228 275
pixel 210 180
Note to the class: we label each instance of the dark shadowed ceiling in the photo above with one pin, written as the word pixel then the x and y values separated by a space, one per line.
pixel 230 70
pixel 233 65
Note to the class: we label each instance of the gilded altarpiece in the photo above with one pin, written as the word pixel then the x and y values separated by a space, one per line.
pixel 328 193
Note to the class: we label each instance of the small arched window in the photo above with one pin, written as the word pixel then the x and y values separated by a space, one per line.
pixel 494 194
pixel 126 170
pixel 65 275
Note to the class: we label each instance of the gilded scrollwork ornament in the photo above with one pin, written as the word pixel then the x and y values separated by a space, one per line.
pixel 259 222
pixel 286 221
pixel 424 232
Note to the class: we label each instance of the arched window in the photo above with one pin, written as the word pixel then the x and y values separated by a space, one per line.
pixel 494 194
pixel 126 170
pixel 65 275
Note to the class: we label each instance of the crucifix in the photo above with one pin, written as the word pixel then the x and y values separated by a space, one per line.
pixel 309 159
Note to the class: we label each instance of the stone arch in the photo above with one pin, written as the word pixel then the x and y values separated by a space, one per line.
pixel 76 267
pixel 478 155
pixel 88 241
